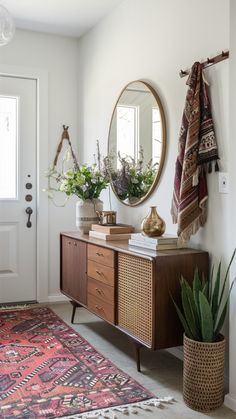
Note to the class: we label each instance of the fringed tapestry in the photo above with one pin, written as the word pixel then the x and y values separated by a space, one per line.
pixel 197 151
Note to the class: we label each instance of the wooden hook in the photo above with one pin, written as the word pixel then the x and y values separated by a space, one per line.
pixel 183 73
pixel 210 60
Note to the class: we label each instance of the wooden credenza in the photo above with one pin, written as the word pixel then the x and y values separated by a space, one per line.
pixel 128 287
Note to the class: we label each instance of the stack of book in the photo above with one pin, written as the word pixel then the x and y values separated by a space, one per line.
pixel 115 232
pixel 164 242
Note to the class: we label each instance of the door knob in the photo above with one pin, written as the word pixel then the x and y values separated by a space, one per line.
pixel 29 211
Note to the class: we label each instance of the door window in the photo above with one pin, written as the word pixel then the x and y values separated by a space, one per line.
pixel 8 147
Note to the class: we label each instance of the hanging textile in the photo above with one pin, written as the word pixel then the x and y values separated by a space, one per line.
pixel 197 151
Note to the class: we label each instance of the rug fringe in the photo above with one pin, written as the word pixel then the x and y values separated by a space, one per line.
pixel 110 413
pixel 14 307
pixel 18 306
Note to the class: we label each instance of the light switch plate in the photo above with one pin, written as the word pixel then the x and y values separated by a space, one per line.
pixel 223 182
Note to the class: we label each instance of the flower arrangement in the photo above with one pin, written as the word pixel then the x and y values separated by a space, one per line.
pixel 131 179
pixel 85 181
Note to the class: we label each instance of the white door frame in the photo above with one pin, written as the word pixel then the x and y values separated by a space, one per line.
pixel 41 78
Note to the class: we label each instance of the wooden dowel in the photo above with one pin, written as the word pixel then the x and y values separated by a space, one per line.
pixel 209 61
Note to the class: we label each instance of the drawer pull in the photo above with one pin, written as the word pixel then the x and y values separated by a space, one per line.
pixel 99 291
pixel 99 308
pixel 99 273
pixel 99 254
pixel 75 244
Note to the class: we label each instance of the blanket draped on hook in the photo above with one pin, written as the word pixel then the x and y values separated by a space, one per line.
pixel 197 150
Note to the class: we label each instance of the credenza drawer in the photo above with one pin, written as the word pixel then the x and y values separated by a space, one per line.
pixel 101 272
pixel 102 309
pixel 101 255
pixel 100 290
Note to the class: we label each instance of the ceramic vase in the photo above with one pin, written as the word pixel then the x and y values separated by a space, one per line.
pixel 86 214
pixel 153 225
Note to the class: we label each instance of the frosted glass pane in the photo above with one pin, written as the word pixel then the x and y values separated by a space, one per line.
pixel 8 147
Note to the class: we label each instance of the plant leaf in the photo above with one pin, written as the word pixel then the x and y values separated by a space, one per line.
pixel 196 279
pixel 221 320
pixel 183 321
pixel 220 323
pixel 206 319
pixel 206 290
pixel 190 310
pixel 211 285
pixel 215 295
pixel 197 286
pixel 225 279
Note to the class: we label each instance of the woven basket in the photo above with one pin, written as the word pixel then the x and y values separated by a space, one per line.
pixel 203 386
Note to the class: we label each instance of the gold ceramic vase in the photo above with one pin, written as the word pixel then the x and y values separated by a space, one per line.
pixel 153 225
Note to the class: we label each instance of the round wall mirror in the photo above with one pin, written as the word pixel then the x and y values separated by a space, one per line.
pixel 136 143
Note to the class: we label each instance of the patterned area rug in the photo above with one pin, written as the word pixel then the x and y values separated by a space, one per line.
pixel 47 370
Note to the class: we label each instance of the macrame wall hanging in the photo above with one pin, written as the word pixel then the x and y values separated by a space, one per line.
pixel 65 157
pixel 65 136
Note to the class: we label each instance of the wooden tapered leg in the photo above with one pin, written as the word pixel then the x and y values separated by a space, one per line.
pixel 137 346
pixel 75 305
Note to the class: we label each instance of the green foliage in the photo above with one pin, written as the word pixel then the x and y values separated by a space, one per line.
pixel 86 183
pixel 204 306
pixel 206 319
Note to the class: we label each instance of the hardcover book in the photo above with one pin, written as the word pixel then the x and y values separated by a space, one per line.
pixel 153 246
pixel 115 229
pixel 105 236
pixel 165 239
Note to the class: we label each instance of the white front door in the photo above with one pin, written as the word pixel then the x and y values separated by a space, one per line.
pixel 18 159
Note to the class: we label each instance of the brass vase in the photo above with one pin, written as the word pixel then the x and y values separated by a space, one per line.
pixel 153 225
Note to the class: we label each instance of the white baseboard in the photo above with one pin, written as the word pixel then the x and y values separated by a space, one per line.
pixel 177 352
pixel 230 402
pixel 58 298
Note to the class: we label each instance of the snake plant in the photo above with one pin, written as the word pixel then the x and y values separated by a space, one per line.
pixel 204 305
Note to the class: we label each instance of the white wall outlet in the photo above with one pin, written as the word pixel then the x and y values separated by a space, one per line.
pixel 223 182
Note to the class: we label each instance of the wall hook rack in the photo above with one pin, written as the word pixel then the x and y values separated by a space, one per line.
pixel 209 61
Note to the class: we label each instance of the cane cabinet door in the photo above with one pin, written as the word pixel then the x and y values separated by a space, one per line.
pixel 135 297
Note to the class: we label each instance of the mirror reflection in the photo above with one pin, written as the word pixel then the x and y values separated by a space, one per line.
pixel 136 144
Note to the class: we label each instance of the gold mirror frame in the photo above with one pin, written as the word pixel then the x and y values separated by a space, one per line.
pixel 164 141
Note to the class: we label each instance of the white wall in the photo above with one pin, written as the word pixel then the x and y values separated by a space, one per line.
pixel 231 397
pixel 58 56
pixel 149 40
pixel 153 40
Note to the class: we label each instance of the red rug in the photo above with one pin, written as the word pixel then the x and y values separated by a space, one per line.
pixel 47 370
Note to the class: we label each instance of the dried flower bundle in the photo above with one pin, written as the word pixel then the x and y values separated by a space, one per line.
pixel 131 179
